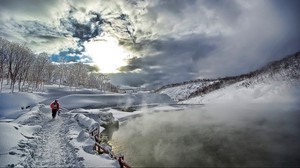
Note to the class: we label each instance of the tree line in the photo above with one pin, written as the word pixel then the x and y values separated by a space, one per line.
pixel 24 70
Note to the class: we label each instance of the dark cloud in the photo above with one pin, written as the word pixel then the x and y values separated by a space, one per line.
pixel 82 30
pixel 172 60
pixel 174 53
pixel 265 33
pixel 93 24
pixel 289 12
pixel 37 29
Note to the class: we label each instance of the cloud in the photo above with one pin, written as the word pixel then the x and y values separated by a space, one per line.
pixel 175 57
pixel 213 38
pixel 252 44
pixel 177 18
pixel 33 10
pixel 40 37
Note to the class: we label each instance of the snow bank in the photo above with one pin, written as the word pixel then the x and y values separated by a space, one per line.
pixel 87 122
pixel 15 135
pixel 110 100
pixel 11 134
pixel 53 92
pixel 12 103
pixel 103 160
pixel 102 117
pixel 37 115
pixel 85 143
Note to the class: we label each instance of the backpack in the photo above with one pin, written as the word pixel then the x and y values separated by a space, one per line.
pixel 55 105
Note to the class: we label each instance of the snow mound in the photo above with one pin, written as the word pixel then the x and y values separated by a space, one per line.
pixel 104 118
pixel 35 116
pixel 12 134
pixel 13 109
pixel 89 123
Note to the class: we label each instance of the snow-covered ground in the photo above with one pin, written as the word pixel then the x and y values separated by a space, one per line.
pixel 181 92
pixel 30 137
pixel 272 92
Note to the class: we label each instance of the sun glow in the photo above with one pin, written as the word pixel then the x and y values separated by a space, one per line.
pixel 107 54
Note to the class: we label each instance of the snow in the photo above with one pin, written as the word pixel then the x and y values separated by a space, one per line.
pixel 13 133
pixel 12 109
pixel 109 100
pixel 90 123
pixel 275 92
pixel 31 138
pixel 183 91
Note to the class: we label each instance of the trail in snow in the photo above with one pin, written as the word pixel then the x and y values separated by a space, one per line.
pixel 52 146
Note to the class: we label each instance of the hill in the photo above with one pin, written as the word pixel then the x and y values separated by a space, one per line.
pixel 286 70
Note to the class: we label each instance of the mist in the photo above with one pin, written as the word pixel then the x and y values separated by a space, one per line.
pixel 213 135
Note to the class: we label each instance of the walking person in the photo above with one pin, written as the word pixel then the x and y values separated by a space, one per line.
pixel 54 107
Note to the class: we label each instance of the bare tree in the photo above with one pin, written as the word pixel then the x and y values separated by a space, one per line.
pixel 39 68
pixel 19 64
pixel 50 71
pixel 16 62
pixel 69 75
pixel 28 59
pixel 4 49
pixel 80 71
pixel 62 68
pixel 92 81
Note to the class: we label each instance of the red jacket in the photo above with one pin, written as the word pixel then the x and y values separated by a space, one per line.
pixel 54 105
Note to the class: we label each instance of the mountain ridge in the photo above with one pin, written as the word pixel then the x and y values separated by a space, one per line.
pixel 285 69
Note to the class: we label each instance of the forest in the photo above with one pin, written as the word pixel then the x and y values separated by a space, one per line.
pixel 25 71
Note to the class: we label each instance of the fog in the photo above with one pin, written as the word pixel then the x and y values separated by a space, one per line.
pixel 213 135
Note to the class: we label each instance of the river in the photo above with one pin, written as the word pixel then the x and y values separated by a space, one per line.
pixel 265 135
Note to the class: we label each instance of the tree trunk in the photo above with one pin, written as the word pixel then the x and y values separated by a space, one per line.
pixel 12 85
pixel 19 84
pixel 1 82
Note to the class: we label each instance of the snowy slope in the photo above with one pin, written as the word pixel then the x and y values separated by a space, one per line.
pixel 275 92
pixel 12 134
pixel 182 92
pixel 12 103
pixel 271 80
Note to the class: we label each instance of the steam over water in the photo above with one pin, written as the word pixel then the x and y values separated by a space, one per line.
pixel 218 136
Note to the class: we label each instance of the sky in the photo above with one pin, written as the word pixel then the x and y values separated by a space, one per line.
pixel 150 43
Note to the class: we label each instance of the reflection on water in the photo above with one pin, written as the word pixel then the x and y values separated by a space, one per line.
pixel 211 137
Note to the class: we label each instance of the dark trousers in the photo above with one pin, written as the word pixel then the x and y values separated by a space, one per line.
pixel 54 111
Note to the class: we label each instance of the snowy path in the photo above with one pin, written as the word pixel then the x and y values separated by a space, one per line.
pixel 52 146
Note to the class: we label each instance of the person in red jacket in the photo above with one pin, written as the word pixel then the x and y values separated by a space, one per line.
pixel 54 107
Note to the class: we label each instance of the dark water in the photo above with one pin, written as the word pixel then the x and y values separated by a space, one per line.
pixel 256 136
